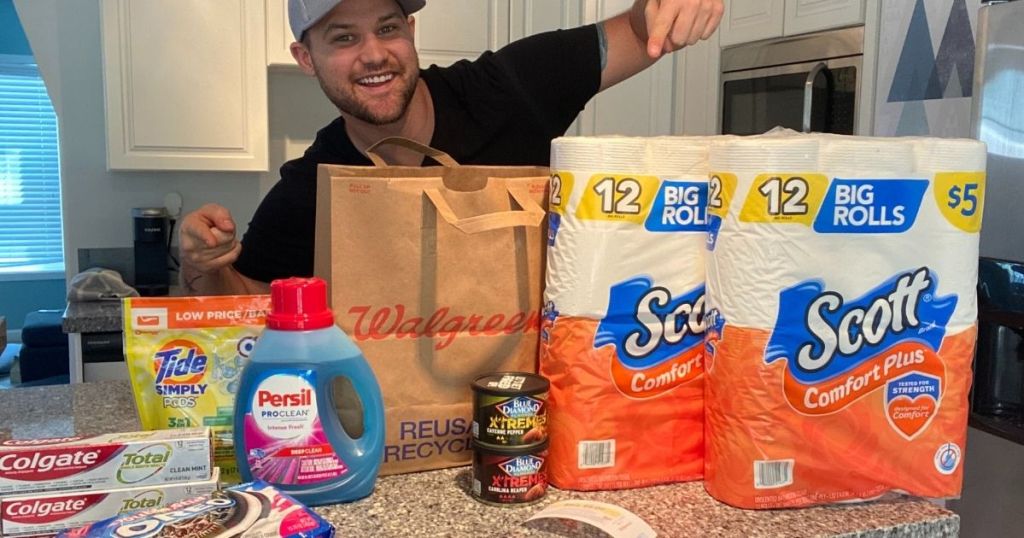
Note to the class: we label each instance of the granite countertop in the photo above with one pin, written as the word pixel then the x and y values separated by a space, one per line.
pixel 438 503
pixel 92 317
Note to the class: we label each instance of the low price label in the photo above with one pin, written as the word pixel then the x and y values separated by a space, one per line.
pixel 960 197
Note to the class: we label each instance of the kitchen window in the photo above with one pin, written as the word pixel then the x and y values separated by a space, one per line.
pixel 30 212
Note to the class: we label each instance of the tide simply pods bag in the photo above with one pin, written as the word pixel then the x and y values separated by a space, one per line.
pixel 185 358
pixel 841 317
pixel 622 338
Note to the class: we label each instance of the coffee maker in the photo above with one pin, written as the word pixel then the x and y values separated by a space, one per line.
pixel 152 240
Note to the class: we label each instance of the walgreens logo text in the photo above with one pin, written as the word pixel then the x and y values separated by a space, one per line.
pixel 378 323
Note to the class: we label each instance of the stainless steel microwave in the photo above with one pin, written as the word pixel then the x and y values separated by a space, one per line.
pixel 806 83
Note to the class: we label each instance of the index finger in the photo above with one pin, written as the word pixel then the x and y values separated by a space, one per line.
pixel 659 22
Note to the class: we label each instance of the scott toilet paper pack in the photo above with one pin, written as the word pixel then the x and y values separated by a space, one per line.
pixel 841 278
pixel 622 338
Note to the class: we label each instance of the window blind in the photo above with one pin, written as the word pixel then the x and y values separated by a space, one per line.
pixel 30 216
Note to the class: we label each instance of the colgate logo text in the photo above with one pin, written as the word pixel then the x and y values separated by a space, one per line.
pixel 384 322
pixel 46 462
pixel 302 398
pixel 888 312
pixel 41 508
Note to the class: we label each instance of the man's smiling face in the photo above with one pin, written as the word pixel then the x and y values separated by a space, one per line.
pixel 362 53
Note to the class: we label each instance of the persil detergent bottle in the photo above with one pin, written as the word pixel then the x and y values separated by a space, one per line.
pixel 309 418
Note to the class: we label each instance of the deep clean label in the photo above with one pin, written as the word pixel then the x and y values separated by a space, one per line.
pixel 284 437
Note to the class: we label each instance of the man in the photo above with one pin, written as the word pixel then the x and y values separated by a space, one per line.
pixel 502 109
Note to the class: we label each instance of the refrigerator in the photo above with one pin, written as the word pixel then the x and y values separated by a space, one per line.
pixel 993 493
pixel 998 120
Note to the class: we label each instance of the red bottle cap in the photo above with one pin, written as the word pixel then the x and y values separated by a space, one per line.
pixel 299 304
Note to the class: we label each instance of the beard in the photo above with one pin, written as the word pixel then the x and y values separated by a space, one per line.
pixel 348 101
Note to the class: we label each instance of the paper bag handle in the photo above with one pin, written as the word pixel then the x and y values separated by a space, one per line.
pixel 441 157
pixel 531 215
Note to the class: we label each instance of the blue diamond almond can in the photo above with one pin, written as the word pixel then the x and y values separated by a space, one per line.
pixel 510 409
pixel 510 476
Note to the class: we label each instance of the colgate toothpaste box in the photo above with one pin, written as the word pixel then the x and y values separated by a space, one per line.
pixel 47 513
pixel 105 462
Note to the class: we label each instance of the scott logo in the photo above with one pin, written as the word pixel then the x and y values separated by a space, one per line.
pixel 838 350
pixel 303 398
pixel 893 311
pixel 683 319
pixel 820 325
pixel 522 465
pixel 657 337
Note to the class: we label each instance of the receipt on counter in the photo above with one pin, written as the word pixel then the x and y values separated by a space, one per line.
pixel 614 520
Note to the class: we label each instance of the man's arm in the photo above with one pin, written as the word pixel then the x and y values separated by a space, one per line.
pixel 226 281
pixel 208 250
pixel 632 41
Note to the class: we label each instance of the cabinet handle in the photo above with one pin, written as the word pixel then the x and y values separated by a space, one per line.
pixel 809 94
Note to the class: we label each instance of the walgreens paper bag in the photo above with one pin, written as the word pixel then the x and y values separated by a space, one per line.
pixel 436 273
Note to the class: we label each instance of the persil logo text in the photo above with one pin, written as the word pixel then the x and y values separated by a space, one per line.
pixel 658 339
pixel 181 367
pixel 839 350
pixel 522 465
pixel 302 398
pixel 520 406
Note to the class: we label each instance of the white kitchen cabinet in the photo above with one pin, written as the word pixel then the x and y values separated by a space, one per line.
pixel 745 21
pixel 452 30
pixel 279 35
pixel 528 17
pixel 185 85
pixel 805 16
pixel 696 88
pixel 751 20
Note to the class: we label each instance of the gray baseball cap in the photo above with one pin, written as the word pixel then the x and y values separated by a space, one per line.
pixel 304 13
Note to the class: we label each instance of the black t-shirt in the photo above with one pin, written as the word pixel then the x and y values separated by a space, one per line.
pixel 502 109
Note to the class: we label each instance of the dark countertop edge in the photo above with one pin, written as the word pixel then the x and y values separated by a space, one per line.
pixel 999 427
pixel 89 317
